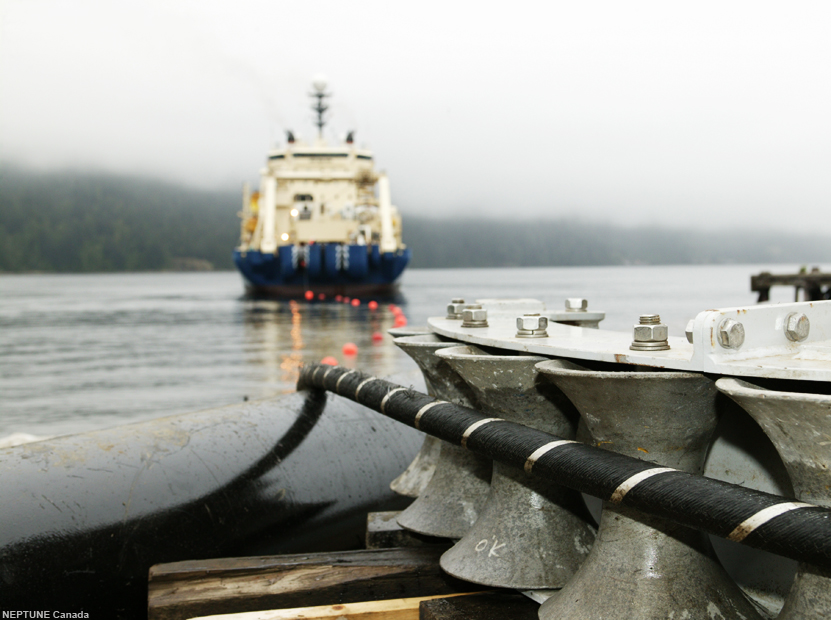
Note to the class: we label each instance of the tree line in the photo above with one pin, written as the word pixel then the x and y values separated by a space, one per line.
pixel 88 222
pixel 84 222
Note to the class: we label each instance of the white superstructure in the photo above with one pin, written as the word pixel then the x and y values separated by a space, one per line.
pixel 320 193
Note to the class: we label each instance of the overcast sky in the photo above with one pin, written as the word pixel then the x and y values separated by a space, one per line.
pixel 709 115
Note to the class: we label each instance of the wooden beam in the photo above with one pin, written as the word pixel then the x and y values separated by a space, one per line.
pixel 483 606
pixel 182 590
pixel 392 609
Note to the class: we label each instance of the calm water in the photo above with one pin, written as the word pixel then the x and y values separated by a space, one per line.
pixel 79 352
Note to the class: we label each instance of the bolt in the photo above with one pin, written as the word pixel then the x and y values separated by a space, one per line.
pixel 797 326
pixel 474 316
pixel 577 304
pixel 650 334
pixel 531 326
pixel 455 307
pixel 730 333
pixel 689 330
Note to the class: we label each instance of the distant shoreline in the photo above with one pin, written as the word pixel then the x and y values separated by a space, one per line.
pixel 73 222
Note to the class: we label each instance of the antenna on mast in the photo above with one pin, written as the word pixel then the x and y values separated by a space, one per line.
pixel 319 85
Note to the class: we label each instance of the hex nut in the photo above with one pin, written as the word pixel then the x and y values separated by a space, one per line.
pixel 474 316
pixel 455 307
pixel 797 327
pixel 531 326
pixel 651 333
pixel 730 333
pixel 577 304
pixel 531 322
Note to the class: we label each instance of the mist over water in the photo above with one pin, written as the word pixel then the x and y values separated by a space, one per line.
pixel 709 116
pixel 81 352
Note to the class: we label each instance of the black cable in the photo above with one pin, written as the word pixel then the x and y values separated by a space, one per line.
pixel 753 518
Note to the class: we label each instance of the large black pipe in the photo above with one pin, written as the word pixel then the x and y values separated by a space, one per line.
pixel 83 517
pixel 701 503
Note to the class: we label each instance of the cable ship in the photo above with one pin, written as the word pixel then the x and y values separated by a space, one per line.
pixel 321 221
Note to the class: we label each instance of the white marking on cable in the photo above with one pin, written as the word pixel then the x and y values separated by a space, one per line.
pixel 536 454
pixel 362 384
pixel 424 410
pixel 386 398
pixel 633 481
pixel 326 374
pixel 348 372
pixel 474 426
pixel 746 527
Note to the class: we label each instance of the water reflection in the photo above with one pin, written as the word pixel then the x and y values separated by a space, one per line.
pixel 280 336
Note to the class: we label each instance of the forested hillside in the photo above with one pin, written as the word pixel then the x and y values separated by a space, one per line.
pixel 489 243
pixel 83 222
pixel 71 222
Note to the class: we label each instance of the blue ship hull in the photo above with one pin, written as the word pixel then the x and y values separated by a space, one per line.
pixel 328 268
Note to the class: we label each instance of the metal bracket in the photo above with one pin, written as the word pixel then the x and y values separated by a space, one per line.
pixel 766 351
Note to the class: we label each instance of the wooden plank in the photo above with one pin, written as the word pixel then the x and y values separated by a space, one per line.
pixel 183 590
pixel 482 606
pixel 391 609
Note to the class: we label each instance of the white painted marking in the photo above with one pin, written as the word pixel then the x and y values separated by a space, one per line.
pixel 474 426
pixel 348 372
pixel 386 398
pixel 362 384
pixel 326 374
pixel 496 547
pixel 482 545
pixel 746 527
pixel 424 410
pixel 635 480
pixel 536 454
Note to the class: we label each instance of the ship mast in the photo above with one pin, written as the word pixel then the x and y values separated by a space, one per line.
pixel 320 106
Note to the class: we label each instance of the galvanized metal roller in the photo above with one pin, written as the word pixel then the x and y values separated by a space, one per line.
pixel 800 427
pixel 454 494
pixel 642 566
pixel 688 499
pixel 531 533
pixel 414 479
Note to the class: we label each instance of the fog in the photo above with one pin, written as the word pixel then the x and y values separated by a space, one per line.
pixel 705 115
